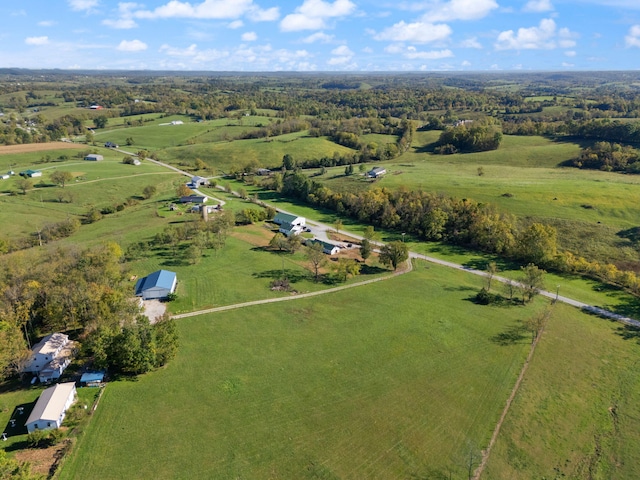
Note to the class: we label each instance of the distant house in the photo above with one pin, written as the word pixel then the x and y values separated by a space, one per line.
pixel 177 122
pixel 265 172
pixel 4 177
pixel 92 157
pixel 31 173
pixel 376 172
pixel 157 285
pixel 198 181
pixel 282 218
pixel 193 199
pixel 51 408
pixel 111 145
pixel 328 248
pixel 49 357
pixel 95 107
pixel 288 229
pixel 136 161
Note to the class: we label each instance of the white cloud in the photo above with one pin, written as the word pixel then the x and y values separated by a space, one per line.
pixel 207 10
pixel 633 38
pixel 47 23
pixel 413 54
pixel 124 20
pixel 570 53
pixel 249 37
pixel 36 40
pixel 568 65
pixel 544 36
pixel 443 11
pixel 342 55
pixel 470 43
pixel 418 32
pixel 120 23
pixel 236 24
pixel 367 50
pixel 313 14
pixel 394 48
pixel 80 5
pixel 190 51
pixel 466 63
pixel 318 37
pixel 538 6
pixel 258 15
pixel 132 46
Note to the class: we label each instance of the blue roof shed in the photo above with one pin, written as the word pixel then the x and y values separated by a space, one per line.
pixel 157 285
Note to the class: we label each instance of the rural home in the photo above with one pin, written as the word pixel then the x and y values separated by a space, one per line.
pixel 288 229
pixel 50 409
pixel 263 172
pixel 177 122
pixel 92 157
pixel 95 107
pixel 193 199
pixel 328 248
pixel 157 285
pixel 31 173
pixel 282 218
pixel 4 177
pixel 49 357
pixel 376 172
pixel 111 145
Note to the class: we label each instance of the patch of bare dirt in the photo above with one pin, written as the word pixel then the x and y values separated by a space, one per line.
pixel 38 147
pixel 41 459
pixel 154 309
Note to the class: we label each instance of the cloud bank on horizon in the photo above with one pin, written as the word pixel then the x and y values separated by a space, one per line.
pixel 322 35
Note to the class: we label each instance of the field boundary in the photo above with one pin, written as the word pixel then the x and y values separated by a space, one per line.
pixel 496 431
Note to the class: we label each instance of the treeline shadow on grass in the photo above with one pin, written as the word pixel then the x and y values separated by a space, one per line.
pixel 513 335
pixel 629 332
pixel 293 276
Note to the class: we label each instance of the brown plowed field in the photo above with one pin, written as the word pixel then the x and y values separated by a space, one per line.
pixel 38 147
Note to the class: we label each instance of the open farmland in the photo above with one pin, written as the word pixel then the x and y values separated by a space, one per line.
pixel 347 385
pixel 577 414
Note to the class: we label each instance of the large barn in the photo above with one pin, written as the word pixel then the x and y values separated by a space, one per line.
pixel 157 285
pixel 50 409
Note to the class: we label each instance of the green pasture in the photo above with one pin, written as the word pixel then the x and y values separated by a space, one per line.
pixel 154 135
pixel 11 397
pixel 223 156
pixel 348 385
pixel 378 138
pixel 577 414
pixel 97 184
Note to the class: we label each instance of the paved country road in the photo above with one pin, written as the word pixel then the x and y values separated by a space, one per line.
pixel 320 231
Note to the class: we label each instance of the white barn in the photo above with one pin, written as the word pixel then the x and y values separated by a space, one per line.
pixel 50 409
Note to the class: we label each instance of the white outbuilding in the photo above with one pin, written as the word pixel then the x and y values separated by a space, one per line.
pixel 50 409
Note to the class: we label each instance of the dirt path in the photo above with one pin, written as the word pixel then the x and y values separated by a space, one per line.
pixel 293 297
pixel 38 147
pixel 496 431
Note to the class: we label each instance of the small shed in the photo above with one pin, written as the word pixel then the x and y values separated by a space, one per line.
pixel 5 177
pixel 50 409
pixel 92 379
pixel 93 157
pixel 157 285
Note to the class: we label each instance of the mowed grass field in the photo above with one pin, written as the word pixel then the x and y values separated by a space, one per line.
pixel 393 380
pixel 222 156
pixel 577 414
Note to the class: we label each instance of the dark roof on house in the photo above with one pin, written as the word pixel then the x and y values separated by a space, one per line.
pixel 285 217
pixel 325 245
pixel 193 199
pixel 377 170
pixel 161 278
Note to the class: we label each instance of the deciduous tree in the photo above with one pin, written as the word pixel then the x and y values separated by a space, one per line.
pixel 316 257
pixel 394 253
pixel 61 177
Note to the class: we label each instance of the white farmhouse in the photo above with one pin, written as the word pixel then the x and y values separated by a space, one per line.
pixel 50 356
pixel 50 409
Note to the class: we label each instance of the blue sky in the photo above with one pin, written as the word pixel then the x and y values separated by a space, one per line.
pixel 322 35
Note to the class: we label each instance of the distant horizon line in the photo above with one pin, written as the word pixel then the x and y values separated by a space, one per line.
pixel 9 70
